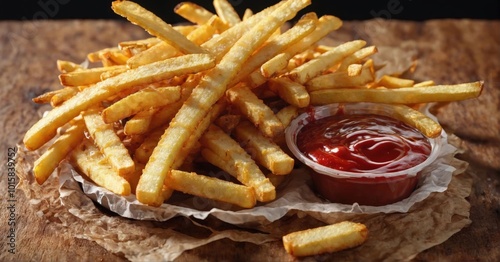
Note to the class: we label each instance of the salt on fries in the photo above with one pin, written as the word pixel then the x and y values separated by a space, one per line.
pixel 221 90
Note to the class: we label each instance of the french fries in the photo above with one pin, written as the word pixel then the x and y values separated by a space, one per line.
pixel 221 90
pixel 45 128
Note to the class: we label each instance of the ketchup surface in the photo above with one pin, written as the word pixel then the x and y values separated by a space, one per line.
pixel 364 142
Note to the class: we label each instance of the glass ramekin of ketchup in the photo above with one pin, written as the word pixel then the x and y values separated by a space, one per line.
pixel 358 153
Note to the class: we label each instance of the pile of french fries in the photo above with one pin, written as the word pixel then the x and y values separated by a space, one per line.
pixel 221 90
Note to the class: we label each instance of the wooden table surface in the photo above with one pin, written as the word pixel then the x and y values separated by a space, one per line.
pixel 448 51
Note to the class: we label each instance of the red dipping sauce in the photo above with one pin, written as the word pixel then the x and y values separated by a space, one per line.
pixel 359 154
pixel 364 142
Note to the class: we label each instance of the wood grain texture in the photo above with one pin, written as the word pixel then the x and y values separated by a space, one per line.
pixel 448 51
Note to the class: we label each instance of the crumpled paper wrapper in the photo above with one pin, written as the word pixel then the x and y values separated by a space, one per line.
pixel 394 235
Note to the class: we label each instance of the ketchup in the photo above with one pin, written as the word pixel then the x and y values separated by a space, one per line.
pixel 363 143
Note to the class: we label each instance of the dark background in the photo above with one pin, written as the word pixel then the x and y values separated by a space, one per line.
pixel 345 9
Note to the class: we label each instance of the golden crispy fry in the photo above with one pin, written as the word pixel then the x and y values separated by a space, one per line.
pixel 46 97
pixel 66 66
pixel 193 12
pixel 404 95
pixel 226 12
pixel 287 114
pixel 420 121
pixel 247 14
pixel 211 188
pixel 45 128
pixel 255 110
pixel 313 68
pixel 65 94
pixel 111 73
pixel 246 171
pixel 62 146
pixel 207 93
pixel 155 26
pixel 274 65
pixel 87 158
pixel 85 76
pixel 139 123
pixel 341 79
pixel 354 69
pixel 263 150
pixel 425 83
pixel 146 43
pixel 330 238
pixel 292 92
pixel 394 82
pixel 108 142
pixel 143 100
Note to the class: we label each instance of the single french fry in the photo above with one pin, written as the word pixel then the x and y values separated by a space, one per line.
pixel 67 66
pixel 193 12
pixel 404 95
pixel 111 73
pixel 46 97
pixel 46 127
pixel 354 69
pixel 420 121
pixel 45 165
pixel 139 123
pixel 143 100
pixel 246 170
pixel 207 93
pixel 211 188
pixel 146 43
pixel 330 238
pixel 85 76
pixel 287 114
pixel 91 162
pixel 425 83
pixel 292 92
pixel 247 14
pixel 255 110
pixel 394 82
pixel 226 12
pixel 274 65
pixel 263 150
pixel 108 142
pixel 313 68
pixel 155 26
